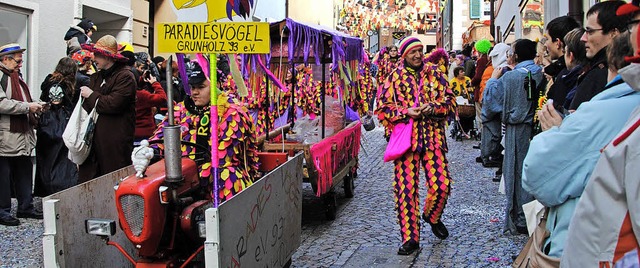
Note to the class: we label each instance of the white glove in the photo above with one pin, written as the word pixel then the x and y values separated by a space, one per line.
pixel 141 156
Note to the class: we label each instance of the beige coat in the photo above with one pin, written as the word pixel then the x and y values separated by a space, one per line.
pixel 13 144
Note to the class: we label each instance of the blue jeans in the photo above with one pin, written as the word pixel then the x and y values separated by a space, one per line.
pixel 16 172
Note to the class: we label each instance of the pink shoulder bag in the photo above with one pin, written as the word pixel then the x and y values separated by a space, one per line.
pixel 400 140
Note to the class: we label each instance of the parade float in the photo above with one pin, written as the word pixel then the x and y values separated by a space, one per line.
pixel 322 114
pixel 163 218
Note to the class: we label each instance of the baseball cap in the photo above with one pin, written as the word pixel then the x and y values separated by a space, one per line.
pixel 197 76
pixel 628 8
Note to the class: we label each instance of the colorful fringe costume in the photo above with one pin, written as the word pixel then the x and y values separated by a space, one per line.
pixel 237 147
pixel 398 93
pixel 386 66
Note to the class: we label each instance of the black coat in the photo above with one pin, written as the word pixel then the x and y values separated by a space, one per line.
pixel 592 81
pixel 76 32
pixel 54 171
pixel 560 87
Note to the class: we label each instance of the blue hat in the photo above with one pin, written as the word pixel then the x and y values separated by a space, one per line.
pixel 11 48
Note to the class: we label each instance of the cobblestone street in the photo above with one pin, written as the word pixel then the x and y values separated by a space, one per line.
pixel 365 233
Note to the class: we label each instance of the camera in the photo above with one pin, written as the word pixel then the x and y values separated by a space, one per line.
pixel 146 74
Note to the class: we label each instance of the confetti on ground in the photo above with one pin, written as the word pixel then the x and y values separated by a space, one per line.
pixel 493 259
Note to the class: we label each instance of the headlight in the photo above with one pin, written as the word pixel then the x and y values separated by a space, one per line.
pixel 102 227
pixel 202 229
pixel 164 194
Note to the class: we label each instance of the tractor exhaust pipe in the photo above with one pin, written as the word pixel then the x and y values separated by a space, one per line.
pixel 172 152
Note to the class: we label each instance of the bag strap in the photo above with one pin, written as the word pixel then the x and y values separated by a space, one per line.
pixel 543 219
pixel 95 107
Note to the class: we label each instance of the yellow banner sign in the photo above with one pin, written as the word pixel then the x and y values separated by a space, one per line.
pixel 223 37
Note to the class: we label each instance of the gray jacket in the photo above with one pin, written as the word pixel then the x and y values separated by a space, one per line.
pixel 13 144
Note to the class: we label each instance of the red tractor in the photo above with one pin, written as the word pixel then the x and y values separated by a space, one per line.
pixel 163 218
pixel 162 212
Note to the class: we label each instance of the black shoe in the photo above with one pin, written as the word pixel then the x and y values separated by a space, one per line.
pixel 9 221
pixel 522 230
pixel 31 215
pixel 408 247
pixel 496 178
pixel 491 164
pixel 479 159
pixel 437 228
pixel 499 172
pixel 476 146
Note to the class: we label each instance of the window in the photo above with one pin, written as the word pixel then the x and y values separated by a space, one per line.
pixel 14 28
pixel 475 9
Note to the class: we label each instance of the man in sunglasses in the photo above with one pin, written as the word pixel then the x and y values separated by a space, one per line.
pixel 601 27
pixel 17 117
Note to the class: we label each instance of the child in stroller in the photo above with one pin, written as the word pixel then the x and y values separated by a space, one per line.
pixel 463 125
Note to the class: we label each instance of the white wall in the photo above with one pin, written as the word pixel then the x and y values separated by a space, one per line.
pixel 271 10
pixel 460 21
pixel 508 11
pixel 554 9
pixel 312 11
pixel 49 20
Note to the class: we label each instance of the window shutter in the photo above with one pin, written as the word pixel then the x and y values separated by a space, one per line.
pixel 475 9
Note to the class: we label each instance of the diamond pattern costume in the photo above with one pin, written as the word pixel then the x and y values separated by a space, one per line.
pixel 237 146
pixel 402 89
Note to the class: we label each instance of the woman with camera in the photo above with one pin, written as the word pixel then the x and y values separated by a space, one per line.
pixel 149 96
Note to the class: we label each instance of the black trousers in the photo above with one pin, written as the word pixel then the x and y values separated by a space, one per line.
pixel 16 172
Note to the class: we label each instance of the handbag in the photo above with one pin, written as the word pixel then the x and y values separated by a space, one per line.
pixel 399 142
pixel 532 254
pixel 78 135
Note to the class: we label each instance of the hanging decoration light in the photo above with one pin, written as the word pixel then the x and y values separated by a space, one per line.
pixel 360 16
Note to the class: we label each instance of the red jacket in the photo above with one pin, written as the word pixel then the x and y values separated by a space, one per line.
pixel 145 102
pixel 481 64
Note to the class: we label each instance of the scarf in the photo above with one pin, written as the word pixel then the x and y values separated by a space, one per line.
pixel 19 123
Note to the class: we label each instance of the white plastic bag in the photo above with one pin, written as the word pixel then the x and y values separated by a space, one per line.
pixel 78 135
pixel 533 211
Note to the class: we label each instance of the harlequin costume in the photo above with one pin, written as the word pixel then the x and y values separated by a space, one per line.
pixel 386 66
pixel 365 81
pixel 404 88
pixel 237 145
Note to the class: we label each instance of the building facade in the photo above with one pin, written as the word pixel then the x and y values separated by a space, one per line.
pixel 40 26
pixel 513 18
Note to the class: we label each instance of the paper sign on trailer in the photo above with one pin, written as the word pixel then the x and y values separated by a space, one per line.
pixel 222 38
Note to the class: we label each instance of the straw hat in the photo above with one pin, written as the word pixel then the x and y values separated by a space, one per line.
pixel 11 48
pixel 106 46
